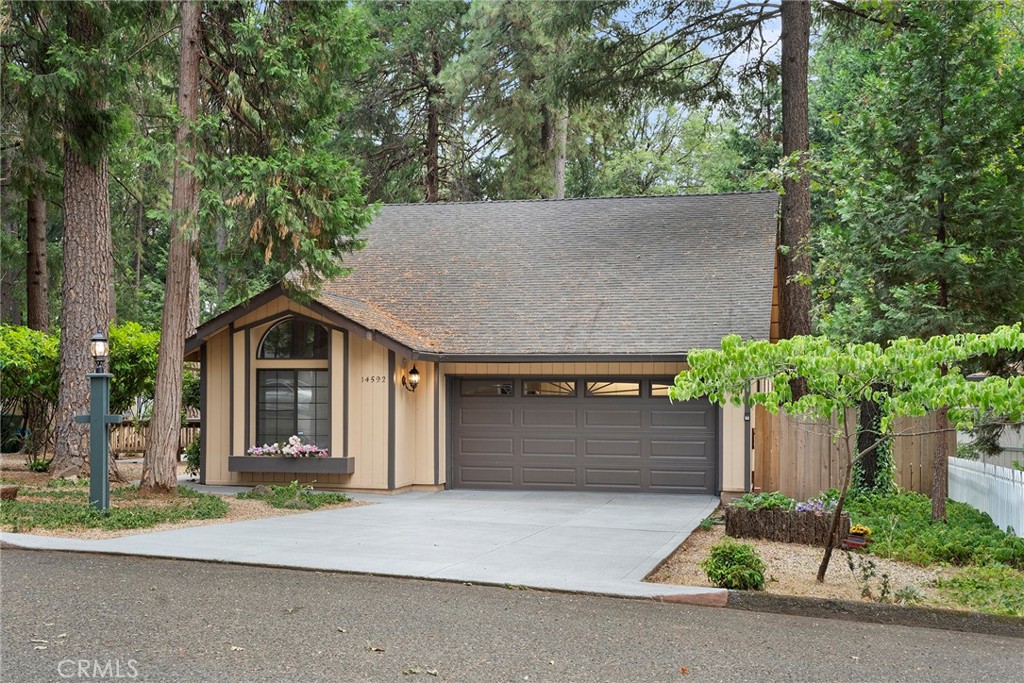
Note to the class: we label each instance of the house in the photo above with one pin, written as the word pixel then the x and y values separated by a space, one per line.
pixel 543 334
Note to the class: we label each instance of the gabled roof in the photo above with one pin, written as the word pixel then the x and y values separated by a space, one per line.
pixel 622 276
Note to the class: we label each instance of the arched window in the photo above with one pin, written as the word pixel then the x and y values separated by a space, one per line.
pixel 294 338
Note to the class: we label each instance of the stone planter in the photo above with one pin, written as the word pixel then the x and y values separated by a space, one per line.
pixel 246 463
pixel 787 526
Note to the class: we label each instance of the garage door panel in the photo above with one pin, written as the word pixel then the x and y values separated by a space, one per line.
pixel 681 417
pixel 548 417
pixel 485 447
pixel 581 442
pixel 560 477
pixel 476 475
pixel 689 481
pixel 613 418
pixel 681 449
pixel 614 448
pixel 549 447
pixel 619 477
pixel 486 417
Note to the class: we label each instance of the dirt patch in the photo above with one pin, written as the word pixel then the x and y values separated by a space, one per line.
pixel 238 511
pixel 13 468
pixel 792 569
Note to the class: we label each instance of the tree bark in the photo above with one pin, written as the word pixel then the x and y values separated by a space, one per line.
pixel 160 469
pixel 833 535
pixel 561 144
pixel 88 291
pixel 870 423
pixel 940 466
pixel 795 258
pixel 37 280
pixel 433 141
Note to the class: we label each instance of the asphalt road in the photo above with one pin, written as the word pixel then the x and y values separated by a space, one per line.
pixel 86 617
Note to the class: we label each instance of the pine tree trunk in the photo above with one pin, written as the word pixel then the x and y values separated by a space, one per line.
pixel 88 292
pixel 433 141
pixel 561 144
pixel 940 466
pixel 160 467
pixel 795 259
pixel 37 279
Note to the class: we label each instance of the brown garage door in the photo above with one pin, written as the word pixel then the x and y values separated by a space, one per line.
pixel 581 433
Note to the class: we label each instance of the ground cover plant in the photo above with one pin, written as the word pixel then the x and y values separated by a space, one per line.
pixel 903 530
pixel 61 504
pixel 295 495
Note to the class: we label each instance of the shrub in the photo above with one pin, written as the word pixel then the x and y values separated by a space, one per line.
pixel 903 529
pixel 734 565
pixel 192 458
pixel 764 501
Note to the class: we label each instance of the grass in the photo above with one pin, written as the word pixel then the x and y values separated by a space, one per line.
pixel 284 496
pixel 902 529
pixel 63 505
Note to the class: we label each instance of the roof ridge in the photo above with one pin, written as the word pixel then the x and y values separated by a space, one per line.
pixel 581 199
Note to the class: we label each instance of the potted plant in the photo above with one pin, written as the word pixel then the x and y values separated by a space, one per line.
pixel 290 456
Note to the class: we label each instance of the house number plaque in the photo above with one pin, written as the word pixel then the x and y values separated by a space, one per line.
pixel 375 379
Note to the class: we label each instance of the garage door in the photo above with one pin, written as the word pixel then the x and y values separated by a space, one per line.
pixel 581 433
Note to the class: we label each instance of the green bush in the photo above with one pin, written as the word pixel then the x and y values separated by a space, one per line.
pixel 734 565
pixel 764 501
pixel 192 458
pixel 902 528
pixel 284 496
pixel 995 589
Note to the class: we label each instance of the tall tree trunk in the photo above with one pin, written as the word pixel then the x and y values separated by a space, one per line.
pixel 160 469
pixel 37 279
pixel 88 292
pixel 433 141
pixel 940 465
pixel 561 143
pixel 795 260
pixel 869 431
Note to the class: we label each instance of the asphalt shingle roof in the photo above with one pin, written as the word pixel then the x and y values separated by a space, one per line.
pixel 609 276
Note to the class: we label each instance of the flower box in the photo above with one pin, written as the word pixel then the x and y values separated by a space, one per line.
pixel 249 463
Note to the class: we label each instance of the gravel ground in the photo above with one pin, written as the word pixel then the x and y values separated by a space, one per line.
pixel 792 569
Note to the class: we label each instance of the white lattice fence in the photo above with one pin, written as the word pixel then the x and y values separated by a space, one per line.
pixel 999 491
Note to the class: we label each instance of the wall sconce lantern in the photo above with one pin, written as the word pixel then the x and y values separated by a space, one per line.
pixel 412 380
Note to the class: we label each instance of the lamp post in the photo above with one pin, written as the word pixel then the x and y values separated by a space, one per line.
pixel 98 419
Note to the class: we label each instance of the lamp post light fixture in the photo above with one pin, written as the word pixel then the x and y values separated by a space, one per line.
pixel 98 420
pixel 412 380
pixel 100 350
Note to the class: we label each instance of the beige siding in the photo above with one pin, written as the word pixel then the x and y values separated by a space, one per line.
pixel 733 448
pixel 368 413
pixel 218 407
pixel 414 427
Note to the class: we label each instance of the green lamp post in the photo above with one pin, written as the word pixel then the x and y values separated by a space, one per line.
pixel 98 420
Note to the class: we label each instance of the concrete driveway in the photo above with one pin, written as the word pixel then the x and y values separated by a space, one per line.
pixel 592 542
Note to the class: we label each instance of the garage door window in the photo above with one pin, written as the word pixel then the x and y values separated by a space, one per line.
pixel 613 388
pixel 487 387
pixel 660 389
pixel 549 387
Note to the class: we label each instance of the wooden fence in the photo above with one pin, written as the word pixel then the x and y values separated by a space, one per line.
pixel 130 437
pixel 798 457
